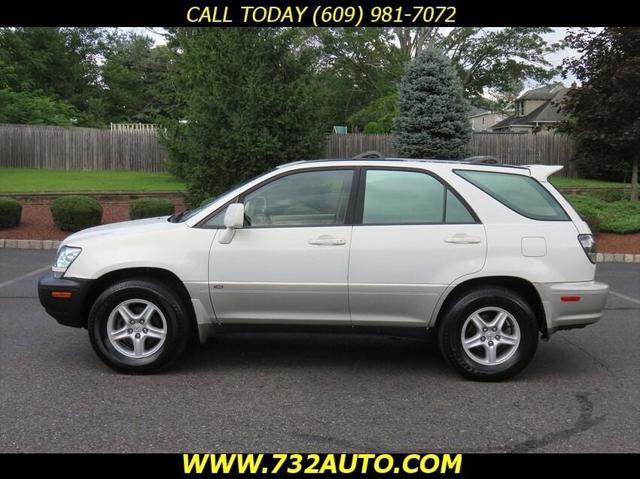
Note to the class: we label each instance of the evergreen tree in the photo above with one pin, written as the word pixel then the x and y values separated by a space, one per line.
pixel 432 122
pixel 249 105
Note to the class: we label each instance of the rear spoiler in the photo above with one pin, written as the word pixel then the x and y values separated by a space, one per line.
pixel 543 172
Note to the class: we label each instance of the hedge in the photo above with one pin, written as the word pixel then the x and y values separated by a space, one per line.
pixel 150 207
pixel 621 216
pixel 10 212
pixel 73 213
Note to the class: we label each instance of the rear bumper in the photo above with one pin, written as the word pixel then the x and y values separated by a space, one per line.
pixel 67 311
pixel 572 305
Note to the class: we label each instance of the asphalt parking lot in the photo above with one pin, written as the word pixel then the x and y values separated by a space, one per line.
pixel 298 392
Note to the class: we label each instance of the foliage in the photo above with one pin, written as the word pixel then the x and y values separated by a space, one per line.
pixel 150 208
pixel 10 212
pixel 244 116
pixel 58 63
pixel 29 180
pixel 373 127
pixel 73 213
pixel 382 112
pixel 621 216
pixel 499 62
pixel 611 195
pixel 33 109
pixel 356 67
pixel 433 111
pixel 97 76
pixel 361 66
pixel 135 75
pixel 605 110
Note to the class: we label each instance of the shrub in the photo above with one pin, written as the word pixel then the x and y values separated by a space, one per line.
pixel 73 213
pixel 372 127
pixel 622 216
pixel 610 195
pixel 10 212
pixel 206 201
pixel 586 205
pixel 594 223
pixel 150 208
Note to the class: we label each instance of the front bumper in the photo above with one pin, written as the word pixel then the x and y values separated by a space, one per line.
pixel 67 311
pixel 572 305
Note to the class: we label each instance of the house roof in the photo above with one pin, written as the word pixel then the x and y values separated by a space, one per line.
pixel 548 112
pixel 546 92
pixel 475 111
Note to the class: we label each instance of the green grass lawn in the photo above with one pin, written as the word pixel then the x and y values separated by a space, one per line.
pixel 565 182
pixel 27 180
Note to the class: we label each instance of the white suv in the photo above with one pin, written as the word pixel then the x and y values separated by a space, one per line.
pixel 489 257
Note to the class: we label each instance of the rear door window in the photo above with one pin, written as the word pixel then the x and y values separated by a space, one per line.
pixel 402 197
pixel 522 194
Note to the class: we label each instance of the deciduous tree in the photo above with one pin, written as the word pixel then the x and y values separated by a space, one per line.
pixel 605 109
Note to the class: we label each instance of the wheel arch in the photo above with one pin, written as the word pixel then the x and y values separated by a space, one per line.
pixel 523 287
pixel 167 277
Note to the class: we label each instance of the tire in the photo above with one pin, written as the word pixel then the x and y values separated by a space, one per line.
pixel 471 319
pixel 123 310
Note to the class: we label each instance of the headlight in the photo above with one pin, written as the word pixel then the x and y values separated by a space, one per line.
pixel 64 258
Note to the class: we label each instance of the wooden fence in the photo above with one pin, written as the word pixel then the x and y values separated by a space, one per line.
pixel 138 149
pixel 511 148
pixel 24 146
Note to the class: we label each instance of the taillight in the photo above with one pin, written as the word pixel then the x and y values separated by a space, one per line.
pixel 588 244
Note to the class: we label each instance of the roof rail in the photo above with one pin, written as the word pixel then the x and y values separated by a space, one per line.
pixel 479 160
pixel 484 160
pixel 368 155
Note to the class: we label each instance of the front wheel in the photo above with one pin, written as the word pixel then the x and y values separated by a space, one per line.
pixel 138 326
pixel 488 334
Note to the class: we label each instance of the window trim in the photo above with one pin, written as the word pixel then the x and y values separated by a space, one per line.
pixel 567 216
pixel 359 206
pixel 348 219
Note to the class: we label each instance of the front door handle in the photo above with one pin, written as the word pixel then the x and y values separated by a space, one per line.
pixel 326 240
pixel 462 238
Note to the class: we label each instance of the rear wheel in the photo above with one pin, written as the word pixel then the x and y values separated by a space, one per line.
pixel 138 326
pixel 488 334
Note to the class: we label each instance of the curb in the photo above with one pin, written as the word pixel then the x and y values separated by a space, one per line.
pixel 105 196
pixel 29 244
pixel 617 258
pixel 53 244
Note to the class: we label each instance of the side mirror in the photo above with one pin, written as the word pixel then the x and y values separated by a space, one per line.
pixel 233 220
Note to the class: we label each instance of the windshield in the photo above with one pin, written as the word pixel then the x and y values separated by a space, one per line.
pixel 185 215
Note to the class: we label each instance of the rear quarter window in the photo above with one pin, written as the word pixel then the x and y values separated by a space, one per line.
pixel 522 194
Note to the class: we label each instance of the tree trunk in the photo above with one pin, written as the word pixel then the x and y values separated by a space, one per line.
pixel 634 179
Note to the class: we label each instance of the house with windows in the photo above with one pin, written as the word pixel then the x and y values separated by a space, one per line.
pixel 537 109
pixel 482 120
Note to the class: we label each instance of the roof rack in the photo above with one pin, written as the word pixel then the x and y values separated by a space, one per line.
pixel 368 155
pixel 474 160
pixel 485 160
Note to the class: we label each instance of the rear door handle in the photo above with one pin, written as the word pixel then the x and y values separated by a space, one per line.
pixel 462 238
pixel 326 240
